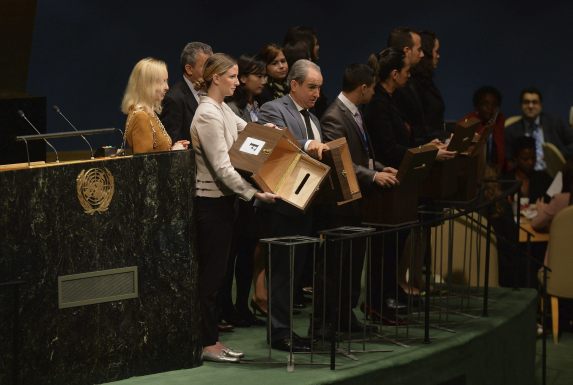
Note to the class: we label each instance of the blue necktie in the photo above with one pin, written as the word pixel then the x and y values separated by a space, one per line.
pixel 537 134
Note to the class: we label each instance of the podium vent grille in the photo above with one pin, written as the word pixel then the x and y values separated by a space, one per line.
pixel 97 287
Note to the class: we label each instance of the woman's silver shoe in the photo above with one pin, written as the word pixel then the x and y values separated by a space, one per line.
pixel 233 353
pixel 219 357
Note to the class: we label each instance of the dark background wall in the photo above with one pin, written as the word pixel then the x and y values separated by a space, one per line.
pixel 83 52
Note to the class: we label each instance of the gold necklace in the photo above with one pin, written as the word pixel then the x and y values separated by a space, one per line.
pixel 163 131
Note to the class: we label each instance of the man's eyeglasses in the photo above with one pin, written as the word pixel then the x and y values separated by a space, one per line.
pixel 529 101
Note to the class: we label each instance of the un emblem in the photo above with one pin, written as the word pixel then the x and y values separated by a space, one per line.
pixel 95 189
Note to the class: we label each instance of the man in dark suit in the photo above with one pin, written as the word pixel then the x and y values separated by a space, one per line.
pixel 343 119
pixel 291 111
pixel 540 126
pixel 181 101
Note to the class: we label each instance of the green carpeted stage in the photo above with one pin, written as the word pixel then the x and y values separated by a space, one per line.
pixel 465 349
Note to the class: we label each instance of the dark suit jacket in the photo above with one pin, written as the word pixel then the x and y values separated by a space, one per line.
pixel 179 106
pixel 241 113
pixel 421 105
pixel 554 131
pixel 338 122
pixel 283 113
pixel 391 138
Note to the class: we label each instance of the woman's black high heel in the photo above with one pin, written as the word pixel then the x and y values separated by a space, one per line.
pixel 257 309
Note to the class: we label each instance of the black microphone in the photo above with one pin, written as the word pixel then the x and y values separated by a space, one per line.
pixel 23 116
pixel 57 109
pixel 121 150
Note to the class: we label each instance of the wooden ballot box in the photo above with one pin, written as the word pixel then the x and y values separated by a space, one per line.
pixel 342 181
pixel 454 179
pixel 274 161
pixel 471 167
pixel 399 205
pixel 464 133
pixel 444 179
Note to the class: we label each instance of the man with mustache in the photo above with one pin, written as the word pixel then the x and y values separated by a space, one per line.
pixel 291 111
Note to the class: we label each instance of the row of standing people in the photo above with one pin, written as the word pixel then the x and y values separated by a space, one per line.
pixel 401 112
pixel 218 183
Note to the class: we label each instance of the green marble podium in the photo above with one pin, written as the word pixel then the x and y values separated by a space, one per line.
pixel 107 277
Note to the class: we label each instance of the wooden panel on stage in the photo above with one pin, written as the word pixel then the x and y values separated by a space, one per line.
pixel 51 228
pixel 470 174
pixel 272 158
pixel 441 184
pixel 391 206
pixel 399 205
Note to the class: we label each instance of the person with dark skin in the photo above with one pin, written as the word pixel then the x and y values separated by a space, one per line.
pixel 513 269
pixel 487 103
pixel 534 183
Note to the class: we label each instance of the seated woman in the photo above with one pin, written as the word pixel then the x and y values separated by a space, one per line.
pixel 141 103
pixel 547 211
pixel 214 129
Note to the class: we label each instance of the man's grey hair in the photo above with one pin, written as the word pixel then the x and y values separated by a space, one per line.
pixel 190 52
pixel 299 70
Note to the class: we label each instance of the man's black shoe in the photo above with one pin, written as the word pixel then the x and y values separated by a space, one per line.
pixel 304 340
pixel 298 345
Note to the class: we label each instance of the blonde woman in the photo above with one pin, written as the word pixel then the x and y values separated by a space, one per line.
pixel 141 103
pixel 214 129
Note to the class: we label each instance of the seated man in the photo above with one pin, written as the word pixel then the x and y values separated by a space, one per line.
pixel 540 126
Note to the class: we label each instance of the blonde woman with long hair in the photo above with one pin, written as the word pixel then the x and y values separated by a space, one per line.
pixel 145 90
pixel 214 129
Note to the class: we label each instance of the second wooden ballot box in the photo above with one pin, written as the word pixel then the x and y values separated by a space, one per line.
pixel 463 134
pixel 442 183
pixel 472 167
pixel 399 205
pixel 275 162
pixel 342 179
